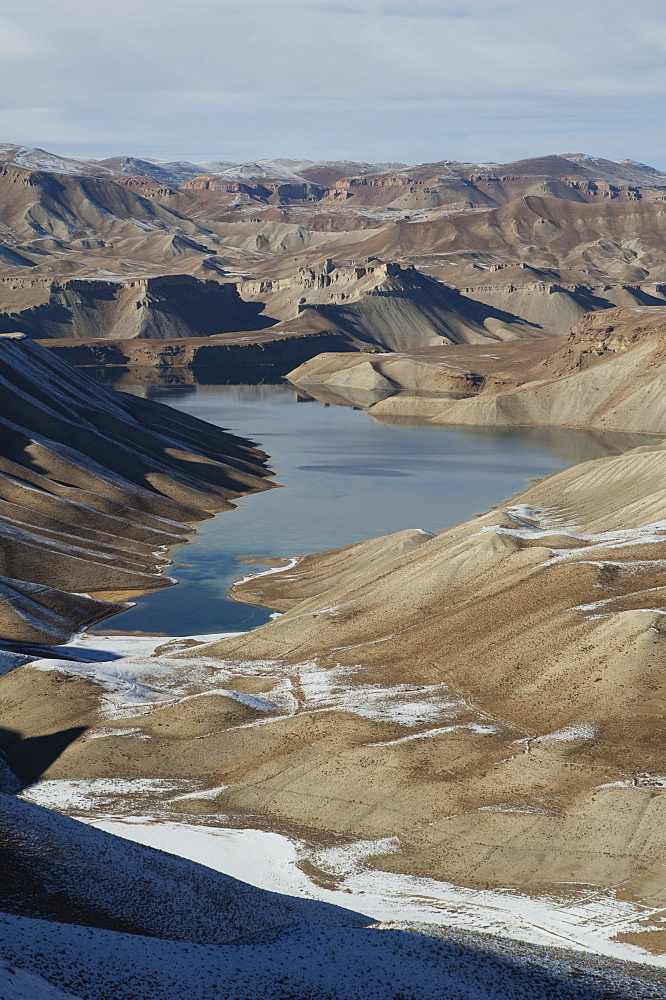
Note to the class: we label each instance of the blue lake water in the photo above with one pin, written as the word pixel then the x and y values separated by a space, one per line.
pixel 344 477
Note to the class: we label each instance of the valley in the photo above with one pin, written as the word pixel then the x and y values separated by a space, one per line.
pixel 399 702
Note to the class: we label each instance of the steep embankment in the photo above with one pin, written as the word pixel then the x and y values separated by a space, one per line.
pixel 230 357
pixel 93 486
pixel 529 247
pixel 162 308
pixel 543 259
pixel 362 307
pixel 540 232
pixel 61 223
pixel 370 306
pixel 383 305
pixel 428 186
pixel 609 373
pixel 56 868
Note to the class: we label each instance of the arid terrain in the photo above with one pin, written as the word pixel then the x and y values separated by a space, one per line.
pixel 609 373
pixel 468 719
pixel 377 257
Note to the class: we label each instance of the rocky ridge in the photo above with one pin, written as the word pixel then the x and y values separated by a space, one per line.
pixel 94 486
pixel 540 242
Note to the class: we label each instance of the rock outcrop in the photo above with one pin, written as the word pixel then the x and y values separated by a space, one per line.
pixel 381 304
pixel 530 246
pixel 162 308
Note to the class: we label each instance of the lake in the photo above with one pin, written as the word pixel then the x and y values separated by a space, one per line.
pixel 343 477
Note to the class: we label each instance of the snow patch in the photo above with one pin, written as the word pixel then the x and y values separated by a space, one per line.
pixel 268 572
pixel 571 733
pixel 582 920
pixel 473 727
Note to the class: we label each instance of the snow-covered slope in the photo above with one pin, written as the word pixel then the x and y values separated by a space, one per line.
pixel 17 984
pixel 59 868
pixel 306 962
pixel 32 158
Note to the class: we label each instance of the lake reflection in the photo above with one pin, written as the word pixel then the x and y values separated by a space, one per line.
pixel 346 477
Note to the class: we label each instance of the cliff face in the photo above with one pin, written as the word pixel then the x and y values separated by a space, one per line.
pixel 278 193
pixel 93 486
pixel 160 308
pixel 385 305
pixel 535 244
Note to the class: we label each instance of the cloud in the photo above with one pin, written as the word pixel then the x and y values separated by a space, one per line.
pixel 18 41
pixel 416 80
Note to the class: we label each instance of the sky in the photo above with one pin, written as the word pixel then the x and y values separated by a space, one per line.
pixel 372 80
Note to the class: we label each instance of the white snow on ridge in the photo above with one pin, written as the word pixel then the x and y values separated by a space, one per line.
pixel 428 733
pixel 580 918
pixel 17 984
pixel 290 564
pixel 109 796
pixel 583 921
pixel 531 519
pixel 585 731
pixel 139 681
pixel 146 811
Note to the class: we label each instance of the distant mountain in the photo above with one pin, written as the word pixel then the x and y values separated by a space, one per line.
pixel 540 240
pixel 32 158
pixel 177 172
pixel 171 172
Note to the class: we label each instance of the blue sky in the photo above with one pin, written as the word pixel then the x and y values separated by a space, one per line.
pixel 375 80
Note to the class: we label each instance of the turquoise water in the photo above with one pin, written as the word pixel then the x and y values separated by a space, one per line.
pixel 344 477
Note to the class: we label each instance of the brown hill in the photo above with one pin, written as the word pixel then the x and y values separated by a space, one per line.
pixel 93 486
pixel 383 305
pixel 546 241
pixel 491 695
pixel 164 308
pixel 608 373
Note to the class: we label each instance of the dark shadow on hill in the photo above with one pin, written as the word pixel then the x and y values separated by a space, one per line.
pixel 443 962
pixel 76 654
pixel 418 312
pixel 53 866
pixel 172 306
pixel 28 758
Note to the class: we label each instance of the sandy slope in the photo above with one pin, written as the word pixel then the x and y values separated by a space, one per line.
pixel 57 868
pixel 491 695
pixel 608 373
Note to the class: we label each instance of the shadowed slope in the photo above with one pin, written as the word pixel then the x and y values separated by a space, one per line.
pixel 58 868
pixel 93 486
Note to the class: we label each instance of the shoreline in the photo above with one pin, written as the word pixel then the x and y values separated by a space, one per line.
pixel 511 529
